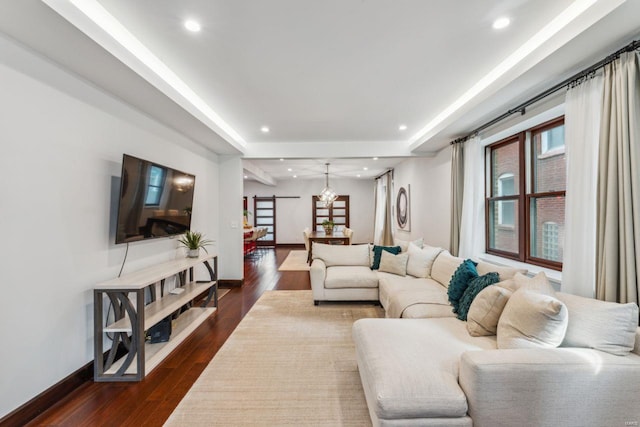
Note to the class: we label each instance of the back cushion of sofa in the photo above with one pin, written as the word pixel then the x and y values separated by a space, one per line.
pixel 504 272
pixel 444 266
pixel 605 326
pixel 341 254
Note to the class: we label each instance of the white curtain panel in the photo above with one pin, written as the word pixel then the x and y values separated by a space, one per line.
pixel 380 200
pixel 472 236
pixel 583 107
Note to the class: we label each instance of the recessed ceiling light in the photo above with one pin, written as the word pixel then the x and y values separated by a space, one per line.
pixel 264 129
pixel 501 23
pixel 193 26
pixel 295 176
pixel 245 177
pixel 282 160
pixel 365 168
pixel 289 170
pixel 402 127
pixel 375 158
pixel 358 175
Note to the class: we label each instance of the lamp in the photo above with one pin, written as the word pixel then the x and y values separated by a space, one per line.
pixel 327 196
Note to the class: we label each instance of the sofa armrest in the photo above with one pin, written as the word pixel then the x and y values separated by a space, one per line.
pixel 318 273
pixel 550 387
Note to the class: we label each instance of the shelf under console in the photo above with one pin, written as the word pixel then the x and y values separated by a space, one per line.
pixel 131 356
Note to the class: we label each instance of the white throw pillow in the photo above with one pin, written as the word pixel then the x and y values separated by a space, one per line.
pixel 532 319
pixel 485 310
pixel 504 272
pixel 404 244
pixel 605 326
pixel 537 283
pixel 421 260
pixel 444 266
pixel 396 264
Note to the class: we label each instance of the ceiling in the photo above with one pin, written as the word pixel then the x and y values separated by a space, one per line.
pixel 333 79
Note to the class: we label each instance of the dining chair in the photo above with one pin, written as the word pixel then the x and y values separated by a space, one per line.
pixel 348 233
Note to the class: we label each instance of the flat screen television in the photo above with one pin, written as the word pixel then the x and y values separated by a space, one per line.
pixel 155 201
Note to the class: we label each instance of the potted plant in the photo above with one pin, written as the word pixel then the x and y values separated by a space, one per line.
pixel 193 241
pixel 327 224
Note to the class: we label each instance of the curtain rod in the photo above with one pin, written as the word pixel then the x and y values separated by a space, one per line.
pixel 634 45
pixel 384 173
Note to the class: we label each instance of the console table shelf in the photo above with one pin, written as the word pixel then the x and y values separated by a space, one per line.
pixel 133 317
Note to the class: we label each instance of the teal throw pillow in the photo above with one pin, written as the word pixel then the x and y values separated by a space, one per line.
pixel 377 253
pixel 460 280
pixel 475 286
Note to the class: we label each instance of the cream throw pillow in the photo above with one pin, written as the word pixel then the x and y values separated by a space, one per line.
pixel 605 326
pixel 396 264
pixel 421 260
pixel 485 310
pixel 404 244
pixel 537 283
pixel 532 319
pixel 444 266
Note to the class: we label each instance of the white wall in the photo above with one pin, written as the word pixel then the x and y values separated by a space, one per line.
pixel 294 215
pixel 231 260
pixel 62 145
pixel 430 180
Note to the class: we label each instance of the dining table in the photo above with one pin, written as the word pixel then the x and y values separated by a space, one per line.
pixel 334 238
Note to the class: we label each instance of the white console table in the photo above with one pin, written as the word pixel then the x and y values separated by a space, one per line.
pixel 133 317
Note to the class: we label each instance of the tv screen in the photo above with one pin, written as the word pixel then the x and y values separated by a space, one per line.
pixel 155 201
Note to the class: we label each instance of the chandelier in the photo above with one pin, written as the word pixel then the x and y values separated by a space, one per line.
pixel 327 196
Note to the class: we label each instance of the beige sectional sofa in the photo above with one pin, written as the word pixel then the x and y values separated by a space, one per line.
pixel 434 370
pixel 343 273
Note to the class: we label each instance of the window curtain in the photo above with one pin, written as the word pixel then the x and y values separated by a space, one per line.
pixel 472 231
pixel 457 188
pixel 618 220
pixel 382 229
pixel 582 129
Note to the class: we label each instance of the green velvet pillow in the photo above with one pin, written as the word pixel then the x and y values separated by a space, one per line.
pixel 475 286
pixel 377 253
pixel 460 280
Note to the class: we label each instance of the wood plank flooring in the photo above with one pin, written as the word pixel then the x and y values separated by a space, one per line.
pixel 151 401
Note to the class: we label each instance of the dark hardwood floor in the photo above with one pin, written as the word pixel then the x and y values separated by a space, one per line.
pixel 151 401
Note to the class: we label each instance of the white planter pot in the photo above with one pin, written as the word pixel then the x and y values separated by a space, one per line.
pixel 193 253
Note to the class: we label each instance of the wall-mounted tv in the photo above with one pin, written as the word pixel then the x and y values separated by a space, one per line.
pixel 155 201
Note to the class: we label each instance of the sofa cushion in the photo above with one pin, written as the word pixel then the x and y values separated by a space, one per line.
pixel 404 244
pixel 346 255
pixel 406 370
pixel 395 264
pixel 377 253
pixel 339 277
pixel 421 260
pixel 460 281
pixel 485 310
pixel 504 272
pixel 401 297
pixel 605 326
pixel 532 319
pixel 444 266
pixel 476 285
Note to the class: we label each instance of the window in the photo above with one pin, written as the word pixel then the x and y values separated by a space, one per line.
pixel 506 208
pixel 525 217
pixel 155 187
pixel 338 212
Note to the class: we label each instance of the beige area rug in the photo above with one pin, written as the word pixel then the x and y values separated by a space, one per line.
pixel 295 261
pixel 288 363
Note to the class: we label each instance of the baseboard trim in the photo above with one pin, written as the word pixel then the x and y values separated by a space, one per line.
pixel 45 400
pixel 227 283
